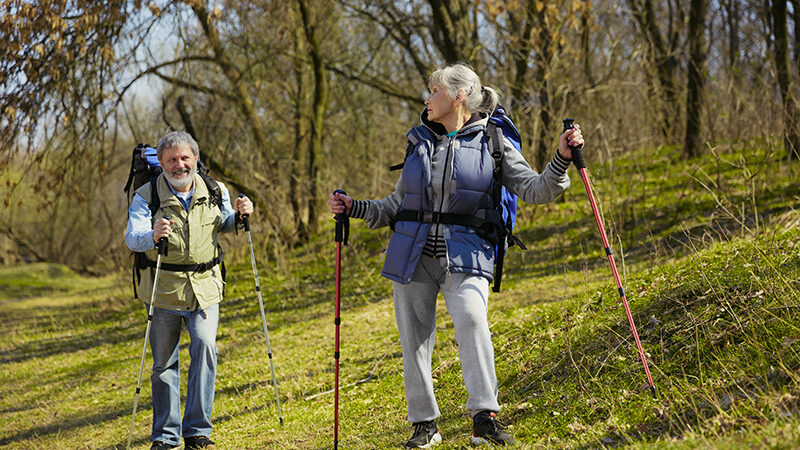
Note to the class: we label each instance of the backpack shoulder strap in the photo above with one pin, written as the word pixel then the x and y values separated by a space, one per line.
pixel 216 199
pixel 495 135
pixel 136 154
pixel 155 201
pixel 409 148
pixel 213 189
pixel 413 140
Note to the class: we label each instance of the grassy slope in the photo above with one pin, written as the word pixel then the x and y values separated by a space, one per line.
pixel 715 295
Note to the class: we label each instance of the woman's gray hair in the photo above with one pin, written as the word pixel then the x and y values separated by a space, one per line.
pixel 477 98
pixel 177 139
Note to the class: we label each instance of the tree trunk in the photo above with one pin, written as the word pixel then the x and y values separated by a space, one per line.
pixel 543 59
pixel 664 62
pixel 296 193
pixel 586 52
pixel 319 107
pixel 522 57
pixel 785 81
pixel 696 77
pixel 796 21
pixel 731 8
pixel 453 31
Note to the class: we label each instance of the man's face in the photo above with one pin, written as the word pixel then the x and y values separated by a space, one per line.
pixel 180 166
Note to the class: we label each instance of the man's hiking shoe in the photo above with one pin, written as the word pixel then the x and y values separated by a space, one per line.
pixel 486 429
pixel 159 445
pixel 426 435
pixel 198 443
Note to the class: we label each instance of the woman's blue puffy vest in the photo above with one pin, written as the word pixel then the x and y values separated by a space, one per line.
pixel 470 187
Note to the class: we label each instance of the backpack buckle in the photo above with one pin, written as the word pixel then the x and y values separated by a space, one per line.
pixel 429 217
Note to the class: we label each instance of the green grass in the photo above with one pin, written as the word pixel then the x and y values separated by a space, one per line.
pixel 709 250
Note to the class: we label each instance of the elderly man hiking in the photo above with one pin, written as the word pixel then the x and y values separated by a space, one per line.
pixel 190 285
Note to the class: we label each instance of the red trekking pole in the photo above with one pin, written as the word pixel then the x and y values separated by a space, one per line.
pixel 342 233
pixel 577 158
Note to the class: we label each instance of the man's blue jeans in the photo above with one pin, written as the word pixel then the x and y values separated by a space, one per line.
pixel 165 381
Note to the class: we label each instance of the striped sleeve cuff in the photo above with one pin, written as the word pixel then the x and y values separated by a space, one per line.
pixel 359 209
pixel 560 164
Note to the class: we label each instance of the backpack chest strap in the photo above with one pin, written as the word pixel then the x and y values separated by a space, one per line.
pixel 467 220
pixel 487 222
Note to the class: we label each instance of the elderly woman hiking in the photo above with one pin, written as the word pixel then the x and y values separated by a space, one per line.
pixel 448 169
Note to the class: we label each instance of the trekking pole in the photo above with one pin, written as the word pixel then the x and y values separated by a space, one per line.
pixel 162 250
pixel 577 158
pixel 246 223
pixel 342 233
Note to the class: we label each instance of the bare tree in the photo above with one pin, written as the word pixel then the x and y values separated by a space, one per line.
pixel 785 78
pixel 320 104
pixel 696 77
pixel 663 55
pixel 454 30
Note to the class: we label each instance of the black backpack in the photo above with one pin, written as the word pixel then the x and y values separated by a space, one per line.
pixel 145 168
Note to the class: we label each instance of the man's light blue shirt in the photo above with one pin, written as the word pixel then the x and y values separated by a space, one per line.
pixel 139 235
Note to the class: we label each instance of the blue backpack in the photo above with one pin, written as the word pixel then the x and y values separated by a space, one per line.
pixel 500 125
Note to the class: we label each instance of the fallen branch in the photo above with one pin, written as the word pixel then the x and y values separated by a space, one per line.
pixel 361 381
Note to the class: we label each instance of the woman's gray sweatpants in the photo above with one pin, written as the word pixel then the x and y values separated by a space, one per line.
pixel 466 297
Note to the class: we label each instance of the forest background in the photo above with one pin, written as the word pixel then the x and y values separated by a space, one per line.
pixel 290 100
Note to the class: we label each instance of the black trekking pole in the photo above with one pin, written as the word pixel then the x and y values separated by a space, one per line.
pixel 577 158
pixel 246 223
pixel 342 233
pixel 162 250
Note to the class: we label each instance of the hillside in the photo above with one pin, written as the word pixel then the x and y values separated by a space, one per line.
pixel 709 250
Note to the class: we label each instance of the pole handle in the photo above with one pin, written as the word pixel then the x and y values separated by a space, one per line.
pixel 577 154
pixel 162 243
pixel 340 216
pixel 342 223
pixel 245 218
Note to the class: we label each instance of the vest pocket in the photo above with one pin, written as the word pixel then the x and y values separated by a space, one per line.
pixel 468 250
pixel 398 254
pixel 177 239
pixel 211 221
pixel 208 286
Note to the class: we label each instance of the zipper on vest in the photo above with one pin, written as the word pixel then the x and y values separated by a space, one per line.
pixel 447 170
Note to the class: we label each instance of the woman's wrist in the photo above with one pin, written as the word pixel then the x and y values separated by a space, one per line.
pixel 358 209
pixel 560 163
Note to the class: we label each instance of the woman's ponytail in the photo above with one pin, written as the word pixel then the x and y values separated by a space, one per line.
pixel 489 100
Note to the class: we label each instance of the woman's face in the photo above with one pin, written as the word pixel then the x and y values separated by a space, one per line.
pixel 440 105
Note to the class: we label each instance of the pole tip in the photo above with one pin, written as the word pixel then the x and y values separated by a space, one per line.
pixel 280 419
pixel 653 391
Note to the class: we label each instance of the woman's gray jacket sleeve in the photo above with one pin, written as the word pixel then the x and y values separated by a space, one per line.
pixel 531 187
pixel 379 213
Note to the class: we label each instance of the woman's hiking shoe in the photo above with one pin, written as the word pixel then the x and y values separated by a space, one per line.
pixel 426 435
pixel 198 443
pixel 486 429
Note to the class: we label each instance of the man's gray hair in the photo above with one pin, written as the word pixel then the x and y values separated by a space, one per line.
pixel 477 98
pixel 177 139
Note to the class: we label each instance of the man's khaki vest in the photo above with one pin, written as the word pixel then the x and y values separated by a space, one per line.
pixel 193 240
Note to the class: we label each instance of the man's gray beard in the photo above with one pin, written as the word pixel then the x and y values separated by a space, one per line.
pixel 182 183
